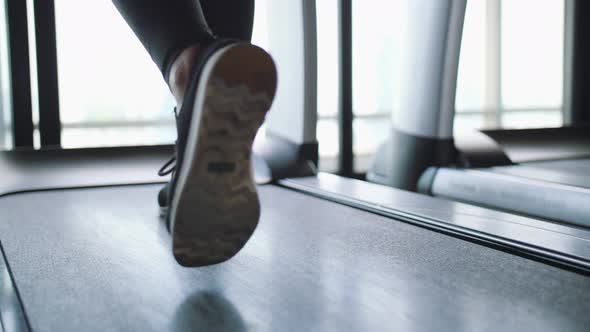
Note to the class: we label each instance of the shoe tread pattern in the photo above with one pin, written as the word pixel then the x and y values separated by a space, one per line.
pixel 217 212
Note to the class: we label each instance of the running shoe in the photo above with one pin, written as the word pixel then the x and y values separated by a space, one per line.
pixel 211 204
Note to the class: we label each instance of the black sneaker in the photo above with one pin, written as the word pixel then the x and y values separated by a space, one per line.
pixel 211 205
pixel 163 197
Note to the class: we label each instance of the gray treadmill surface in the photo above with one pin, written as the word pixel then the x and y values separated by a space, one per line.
pixel 34 170
pixel 573 172
pixel 99 259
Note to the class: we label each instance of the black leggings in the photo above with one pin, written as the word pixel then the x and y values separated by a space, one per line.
pixel 167 27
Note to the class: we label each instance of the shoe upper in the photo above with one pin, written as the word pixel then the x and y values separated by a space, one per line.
pixel 163 195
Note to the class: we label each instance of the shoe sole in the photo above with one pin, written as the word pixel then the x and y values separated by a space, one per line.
pixel 215 207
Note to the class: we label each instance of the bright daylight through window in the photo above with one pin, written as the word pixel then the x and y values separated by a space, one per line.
pixel 510 73
pixel 110 91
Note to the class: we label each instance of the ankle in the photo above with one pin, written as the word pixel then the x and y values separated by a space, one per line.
pixel 180 70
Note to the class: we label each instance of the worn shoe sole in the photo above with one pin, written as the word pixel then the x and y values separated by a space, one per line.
pixel 215 207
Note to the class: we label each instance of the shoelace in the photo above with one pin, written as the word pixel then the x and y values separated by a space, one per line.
pixel 170 166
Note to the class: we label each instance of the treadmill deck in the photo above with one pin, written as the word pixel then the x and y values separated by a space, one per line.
pixel 100 259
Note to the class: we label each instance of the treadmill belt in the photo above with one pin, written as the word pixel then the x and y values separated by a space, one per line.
pixel 100 260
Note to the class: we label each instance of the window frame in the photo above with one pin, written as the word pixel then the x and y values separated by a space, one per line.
pixel 20 76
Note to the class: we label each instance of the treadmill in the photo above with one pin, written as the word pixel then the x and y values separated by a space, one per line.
pixel 83 248
pixel 539 173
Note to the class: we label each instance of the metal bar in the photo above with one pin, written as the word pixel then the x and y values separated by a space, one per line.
pixel 372 116
pixel 49 119
pixel 20 75
pixel 346 116
pixel 118 124
pixel 384 114
pixel 508 110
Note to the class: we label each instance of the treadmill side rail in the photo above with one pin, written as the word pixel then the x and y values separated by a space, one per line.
pixel 12 317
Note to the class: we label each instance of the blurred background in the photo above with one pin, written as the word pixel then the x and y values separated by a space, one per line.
pixel 111 94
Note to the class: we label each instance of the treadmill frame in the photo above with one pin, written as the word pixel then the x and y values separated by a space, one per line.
pixel 291 147
pixel 422 131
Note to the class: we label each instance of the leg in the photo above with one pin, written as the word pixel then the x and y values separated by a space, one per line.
pixel 235 24
pixel 171 31
pixel 166 28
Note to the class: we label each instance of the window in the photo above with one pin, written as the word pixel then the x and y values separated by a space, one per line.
pixel 511 73
pixel 111 93
pixel 374 49
pixel 328 88
pixel 376 44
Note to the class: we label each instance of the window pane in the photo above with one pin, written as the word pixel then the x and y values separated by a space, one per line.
pixel 511 59
pixel 111 93
pixel 376 44
pixel 532 53
pixel 328 84
pixel 327 134
pixel 328 46
pixel 471 83
pixel 105 75
pixel 369 133
pixel 327 128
